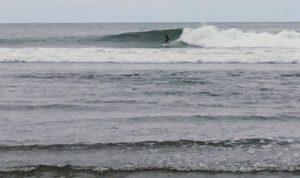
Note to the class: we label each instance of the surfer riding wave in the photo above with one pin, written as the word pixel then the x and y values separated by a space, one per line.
pixel 167 39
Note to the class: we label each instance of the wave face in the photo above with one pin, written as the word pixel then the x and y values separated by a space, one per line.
pixel 147 39
pixel 139 39
pixel 211 36
pixel 155 35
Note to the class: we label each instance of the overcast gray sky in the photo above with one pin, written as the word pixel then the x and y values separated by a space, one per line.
pixel 148 10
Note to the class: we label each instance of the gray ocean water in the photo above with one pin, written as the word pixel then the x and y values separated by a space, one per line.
pixel 138 119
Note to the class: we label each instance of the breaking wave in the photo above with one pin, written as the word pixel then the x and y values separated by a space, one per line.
pixel 205 36
pixel 210 36
pixel 206 44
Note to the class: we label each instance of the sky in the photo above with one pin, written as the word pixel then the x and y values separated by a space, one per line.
pixel 45 11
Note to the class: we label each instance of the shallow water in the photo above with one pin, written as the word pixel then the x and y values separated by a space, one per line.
pixel 149 120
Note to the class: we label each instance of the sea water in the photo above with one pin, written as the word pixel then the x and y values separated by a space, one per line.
pixel 108 100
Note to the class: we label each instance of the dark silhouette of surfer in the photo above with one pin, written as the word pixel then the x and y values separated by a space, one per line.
pixel 167 39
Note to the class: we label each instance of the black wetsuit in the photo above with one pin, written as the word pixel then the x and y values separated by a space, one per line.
pixel 167 39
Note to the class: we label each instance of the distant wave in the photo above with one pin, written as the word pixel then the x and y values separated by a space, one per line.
pixel 250 142
pixel 20 107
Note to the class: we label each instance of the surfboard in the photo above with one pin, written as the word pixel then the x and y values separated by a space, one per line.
pixel 165 45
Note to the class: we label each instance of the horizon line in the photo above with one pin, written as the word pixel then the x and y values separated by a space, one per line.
pixel 149 22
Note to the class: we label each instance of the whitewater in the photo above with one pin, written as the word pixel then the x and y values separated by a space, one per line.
pixel 137 55
pixel 210 36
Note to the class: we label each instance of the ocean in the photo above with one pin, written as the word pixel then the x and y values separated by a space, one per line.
pixel 110 100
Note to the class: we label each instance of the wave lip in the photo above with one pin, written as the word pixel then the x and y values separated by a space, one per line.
pixel 210 36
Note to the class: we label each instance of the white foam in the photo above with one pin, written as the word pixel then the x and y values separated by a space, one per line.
pixel 138 55
pixel 210 36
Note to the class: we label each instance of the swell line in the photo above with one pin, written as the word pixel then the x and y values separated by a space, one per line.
pixel 131 169
pixel 151 144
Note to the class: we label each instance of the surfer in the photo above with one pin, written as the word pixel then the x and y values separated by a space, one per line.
pixel 167 39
